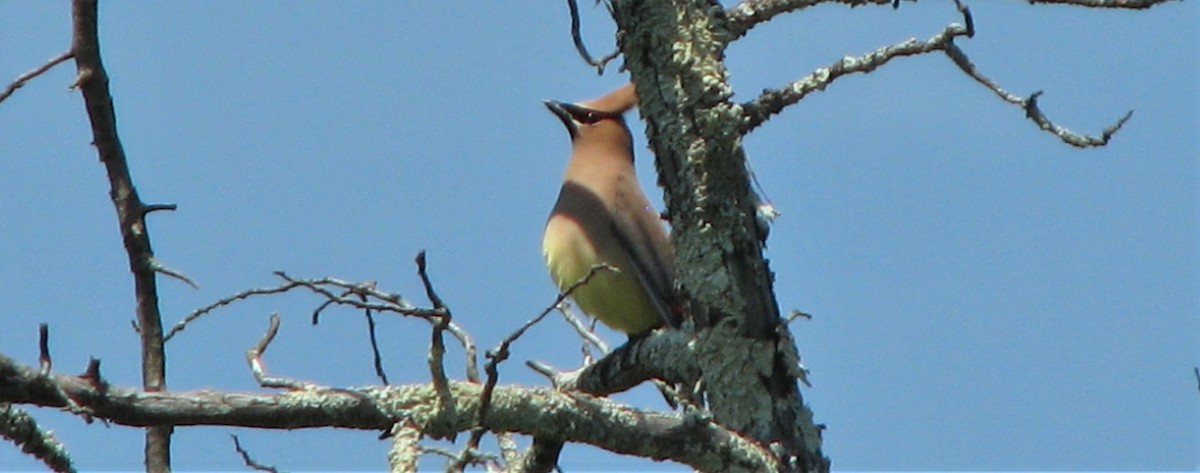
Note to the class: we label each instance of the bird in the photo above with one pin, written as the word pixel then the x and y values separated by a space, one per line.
pixel 602 217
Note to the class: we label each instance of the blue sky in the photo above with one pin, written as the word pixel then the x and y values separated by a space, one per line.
pixel 985 297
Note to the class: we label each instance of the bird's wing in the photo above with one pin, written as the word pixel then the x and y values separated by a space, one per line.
pixel 640 232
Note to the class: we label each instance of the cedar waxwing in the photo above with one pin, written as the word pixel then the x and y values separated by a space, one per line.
pixel 602 216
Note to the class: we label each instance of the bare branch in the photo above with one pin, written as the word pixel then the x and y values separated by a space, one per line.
pixel 584 330
pixel 44 361
pixel 157 266
pixel 798 314
pixel 437 344
pixel 376 358
pixel 1030 105
pixel 772 102
pixel 599 64
pixel 92 80
pixel 1129 4
pixel 250 462
pixel 390 302
pixel 501 353
pixel 18 427
pixel 254 359
pixel 430 293
pixel 26 77
pixel 469 350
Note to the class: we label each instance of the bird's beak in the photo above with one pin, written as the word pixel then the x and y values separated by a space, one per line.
pixel 561 111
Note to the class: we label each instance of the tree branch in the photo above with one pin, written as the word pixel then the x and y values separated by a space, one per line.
pixel 1129 4
pixel 250 462
pixel 1030 105
pixel 771 102
pixel 664 354
pixel 674 51
pixel 577 38
pixel 19 428
pixel 538 412
pixel 750 13
pixel 26 77
pixel 92 81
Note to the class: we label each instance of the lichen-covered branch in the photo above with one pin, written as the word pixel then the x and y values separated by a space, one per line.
pixel 674 51
pixel 538 412
pixel 772 102
pixel 19 428
pixel 750 13
pixel 663 355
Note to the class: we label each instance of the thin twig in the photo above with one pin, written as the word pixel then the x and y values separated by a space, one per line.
pixel 1030 105
pixel 26 77
pixel 599 64
pixel 468 347
pixel 250 462
pixel 1129 4
pixel 167 271
pixel 46 365
pixel 501 353
pixel 437 344
pixel 376 357
pixel 798 314
pixel 44 361
pixel 254 359
pixel 588 333
pixel 390 302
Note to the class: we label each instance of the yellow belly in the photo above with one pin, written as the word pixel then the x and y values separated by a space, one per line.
pixel 616 298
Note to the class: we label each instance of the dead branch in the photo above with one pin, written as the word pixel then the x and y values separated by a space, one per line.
pixel 1030 105
pixel 250 462
pixel 538 412
pixel 26 77
pixel 1128 4
pixel 501 353
pixel 325 286
pixel 599 64
pixel 254 359
pixel 92 81
pixel 772 102
pixel 750 13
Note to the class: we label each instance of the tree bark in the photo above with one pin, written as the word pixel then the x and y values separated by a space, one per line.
pixel 674 51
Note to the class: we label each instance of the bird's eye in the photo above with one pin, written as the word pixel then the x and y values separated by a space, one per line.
pixel 591 117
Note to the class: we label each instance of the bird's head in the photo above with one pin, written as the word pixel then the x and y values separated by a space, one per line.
pixel 583 122
pixel 599 123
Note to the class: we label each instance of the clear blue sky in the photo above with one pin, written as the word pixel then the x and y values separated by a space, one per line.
pixel 985 297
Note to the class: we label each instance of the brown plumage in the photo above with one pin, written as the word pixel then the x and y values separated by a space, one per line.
pixel 602 216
